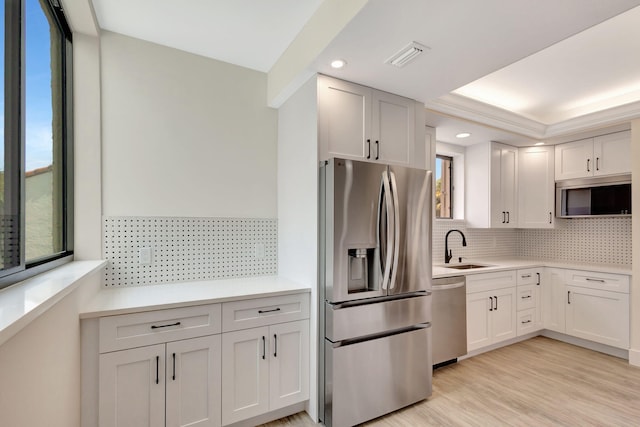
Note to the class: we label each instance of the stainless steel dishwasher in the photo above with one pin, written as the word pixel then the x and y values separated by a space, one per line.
pixel 449 320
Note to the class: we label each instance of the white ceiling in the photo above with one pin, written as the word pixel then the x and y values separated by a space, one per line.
pixel 532 60
pixel 249 33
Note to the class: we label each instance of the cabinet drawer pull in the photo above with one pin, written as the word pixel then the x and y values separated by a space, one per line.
pixel 595 280
pixel 264 348
pixel 275 345
pixel 526 297
pixel 526 321
pixel 164 326
pixel 525 276
pixel 268 311
pixel 368 148
pixel 157 369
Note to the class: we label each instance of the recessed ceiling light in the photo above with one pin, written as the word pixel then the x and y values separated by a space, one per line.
pixel 539 143
pixel 338 63
pixel 463 135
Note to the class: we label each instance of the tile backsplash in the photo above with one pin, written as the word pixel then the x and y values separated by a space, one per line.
pixel 581 240
pixel 184 249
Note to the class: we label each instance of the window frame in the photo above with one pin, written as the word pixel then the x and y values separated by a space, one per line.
pixel 450 187
pixel 14 128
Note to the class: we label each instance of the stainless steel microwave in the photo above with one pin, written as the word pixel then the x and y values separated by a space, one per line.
pixel 603 196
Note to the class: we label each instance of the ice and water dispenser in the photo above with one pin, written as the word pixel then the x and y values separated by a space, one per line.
pixel 361 270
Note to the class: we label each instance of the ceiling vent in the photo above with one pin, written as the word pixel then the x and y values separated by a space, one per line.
pixel 406 54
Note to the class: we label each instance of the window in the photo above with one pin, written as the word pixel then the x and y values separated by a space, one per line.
pixel 36 159
pixel 444 187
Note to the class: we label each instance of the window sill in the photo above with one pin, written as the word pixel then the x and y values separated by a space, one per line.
pixel 24 302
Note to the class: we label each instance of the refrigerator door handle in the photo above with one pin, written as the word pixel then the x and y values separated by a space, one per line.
pixel 386 243
pixel 396 230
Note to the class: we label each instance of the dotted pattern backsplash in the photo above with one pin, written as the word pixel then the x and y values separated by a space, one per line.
pixel 582 240
pixel 480 242
pixel 185 249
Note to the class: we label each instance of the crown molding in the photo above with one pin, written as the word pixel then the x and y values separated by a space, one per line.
pixel 479 112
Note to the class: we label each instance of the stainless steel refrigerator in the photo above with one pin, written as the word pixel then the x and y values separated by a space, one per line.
pixel 375 290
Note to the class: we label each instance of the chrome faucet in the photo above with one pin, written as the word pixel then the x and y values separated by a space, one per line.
pixel 447 251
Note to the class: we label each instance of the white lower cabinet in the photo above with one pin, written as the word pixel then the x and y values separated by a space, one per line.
pixel 589 305
pixel 178 380
pixel 491 314
pixel 529 300
pixel 264 369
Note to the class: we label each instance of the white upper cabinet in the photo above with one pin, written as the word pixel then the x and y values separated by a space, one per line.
pixel 491 187
pixel 536 187
pixel 600 156
pixel 360 123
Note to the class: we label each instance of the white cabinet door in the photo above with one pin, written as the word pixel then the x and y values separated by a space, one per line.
pixel 479 319
pixel 393 128
pixel 536 187
pixel 612 154
pixel 131 390
pixel 504 164
pixel 574 159
pixel 289 364
pixel 245 374
pixel 193 382
pixel 344 119
pixel 503 322
pixel 600 316
pixel 554 300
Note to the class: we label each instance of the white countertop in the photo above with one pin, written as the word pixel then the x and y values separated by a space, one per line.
pixel 25 301
pixel 133 299
pixel 501 263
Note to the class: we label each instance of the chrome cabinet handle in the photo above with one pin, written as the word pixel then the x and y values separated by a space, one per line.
pixel 594 280
pixel 491 299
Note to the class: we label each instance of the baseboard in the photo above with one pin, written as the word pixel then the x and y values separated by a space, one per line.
pixel 634 357
pixel 595 346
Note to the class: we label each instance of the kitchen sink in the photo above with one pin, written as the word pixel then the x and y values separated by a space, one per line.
pixel 465 266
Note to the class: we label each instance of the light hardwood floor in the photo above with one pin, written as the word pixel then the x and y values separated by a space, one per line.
pixel 538 382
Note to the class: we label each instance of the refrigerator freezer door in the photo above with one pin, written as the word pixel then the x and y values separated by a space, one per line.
pixel 375 377
pixel 412 194
pixel 354 203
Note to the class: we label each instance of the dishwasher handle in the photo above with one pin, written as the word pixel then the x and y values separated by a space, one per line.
pixel 448 286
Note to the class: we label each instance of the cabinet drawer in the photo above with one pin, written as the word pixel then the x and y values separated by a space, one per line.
pixel 529 276
pixel 526 297
pixel 526 322
pixel 490 281
pixel 602 281
pixel 252 313
pixel 139 329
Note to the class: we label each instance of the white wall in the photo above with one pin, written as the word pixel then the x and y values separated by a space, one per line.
pixel 184 135
pixel 40 366
pixel 634 352
pixel 298 204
